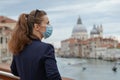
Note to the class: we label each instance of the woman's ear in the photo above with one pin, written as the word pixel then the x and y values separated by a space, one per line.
pixel 36 27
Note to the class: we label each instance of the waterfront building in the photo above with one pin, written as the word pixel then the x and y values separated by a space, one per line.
pixel 80 45
pixel 6 27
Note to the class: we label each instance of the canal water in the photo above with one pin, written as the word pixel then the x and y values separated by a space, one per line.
pixel 87 69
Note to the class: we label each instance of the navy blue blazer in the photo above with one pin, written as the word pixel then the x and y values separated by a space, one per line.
pixel 36 62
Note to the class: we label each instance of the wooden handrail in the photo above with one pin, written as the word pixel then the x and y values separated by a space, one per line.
pixel 5 73
pixel 7 76
pixel 5 67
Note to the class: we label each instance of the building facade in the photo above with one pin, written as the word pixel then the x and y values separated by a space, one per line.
pixel 79 45
pixel 6 27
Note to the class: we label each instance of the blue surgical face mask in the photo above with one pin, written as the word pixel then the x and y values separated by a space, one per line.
pixel 48 32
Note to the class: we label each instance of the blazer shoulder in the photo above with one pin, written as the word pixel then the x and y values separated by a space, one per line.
pixel 47 44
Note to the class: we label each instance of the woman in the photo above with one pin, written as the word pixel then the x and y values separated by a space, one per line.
pixel 32 58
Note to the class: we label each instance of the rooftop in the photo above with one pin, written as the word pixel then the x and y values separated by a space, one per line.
pixel 4 19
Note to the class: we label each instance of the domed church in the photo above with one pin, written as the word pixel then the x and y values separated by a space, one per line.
pixel 79 31
pixel 80 45
pixel 97 31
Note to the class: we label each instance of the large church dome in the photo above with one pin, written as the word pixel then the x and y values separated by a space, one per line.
pixel 79 31
pixel 79 27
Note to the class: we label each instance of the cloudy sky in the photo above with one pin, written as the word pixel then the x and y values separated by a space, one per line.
pixel 63 15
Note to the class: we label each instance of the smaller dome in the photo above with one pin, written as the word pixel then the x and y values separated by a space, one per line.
pixel 95 31
pixel 79 28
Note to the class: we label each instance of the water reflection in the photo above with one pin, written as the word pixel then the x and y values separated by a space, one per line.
pixel 81 69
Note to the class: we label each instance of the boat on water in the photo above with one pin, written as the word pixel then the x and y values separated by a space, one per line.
pixel 115 67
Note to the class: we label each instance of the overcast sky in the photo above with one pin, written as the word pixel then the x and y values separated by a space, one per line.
pixel 63 15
